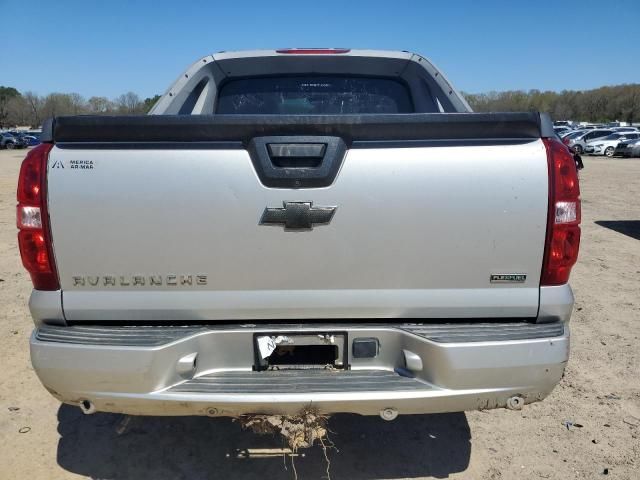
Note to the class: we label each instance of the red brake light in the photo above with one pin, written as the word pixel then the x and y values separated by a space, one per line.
pixel 563 230
pixel 314 51
pixel 34 252
pixel 34 236
pixel 30 179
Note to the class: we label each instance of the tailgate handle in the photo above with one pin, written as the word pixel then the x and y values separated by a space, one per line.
pixel 297 161
pixel 301 150
pixel 296 155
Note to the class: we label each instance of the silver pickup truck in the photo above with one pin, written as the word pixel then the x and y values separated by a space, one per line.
pixel 325 227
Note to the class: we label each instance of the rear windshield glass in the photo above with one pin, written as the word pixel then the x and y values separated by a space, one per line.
pixel 313 96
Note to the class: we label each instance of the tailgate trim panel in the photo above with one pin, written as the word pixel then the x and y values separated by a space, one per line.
pixel 238 145
pixel 205 128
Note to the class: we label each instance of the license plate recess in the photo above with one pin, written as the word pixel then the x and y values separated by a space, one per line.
pixel 308 350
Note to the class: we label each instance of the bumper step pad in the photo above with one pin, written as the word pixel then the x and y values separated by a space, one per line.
pixel 485 332
pixel 151 336
pixel 296 381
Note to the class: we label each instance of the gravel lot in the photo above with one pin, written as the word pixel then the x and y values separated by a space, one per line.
pixel 600 392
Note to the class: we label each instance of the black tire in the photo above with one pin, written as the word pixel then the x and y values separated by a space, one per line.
pixel 578 149
pixel 609 151
pixel 10 145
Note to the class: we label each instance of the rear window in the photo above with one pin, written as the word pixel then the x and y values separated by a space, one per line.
pixel 315 95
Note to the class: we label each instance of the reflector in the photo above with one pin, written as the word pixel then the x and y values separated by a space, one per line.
pixel 28 217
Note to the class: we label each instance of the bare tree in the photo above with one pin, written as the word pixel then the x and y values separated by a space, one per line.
pixel 129 103
pixel 77 103
pixel 100 105
pixel 35 104
pixel 32 109
pixel 18 111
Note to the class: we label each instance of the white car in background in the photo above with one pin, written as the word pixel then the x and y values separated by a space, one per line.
pixel 607 145
pixel 578 143
pixel 572 134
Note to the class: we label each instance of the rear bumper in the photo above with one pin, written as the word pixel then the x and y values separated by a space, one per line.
pixel 142 370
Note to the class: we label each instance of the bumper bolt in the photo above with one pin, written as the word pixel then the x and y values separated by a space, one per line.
pixel 87 407
pixel 515 403
pixel 389 414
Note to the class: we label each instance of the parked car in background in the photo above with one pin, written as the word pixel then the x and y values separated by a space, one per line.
pixel 33 141
pixel 10 141
pixel 628 148
pixel 579 142
pixel 560 130
pixel 571 132
pixel 607 145
pixel 26 137
pixel 625 129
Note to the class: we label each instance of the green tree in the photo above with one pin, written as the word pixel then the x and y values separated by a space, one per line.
pixel 150 102
pixel 604 104
pixel 6 95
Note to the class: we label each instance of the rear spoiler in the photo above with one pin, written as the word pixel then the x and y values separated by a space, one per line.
pixel 88 130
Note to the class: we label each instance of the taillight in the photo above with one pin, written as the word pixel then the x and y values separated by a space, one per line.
pixel 314 51
pixel 32 219
pixel 563 230
pixel 566 140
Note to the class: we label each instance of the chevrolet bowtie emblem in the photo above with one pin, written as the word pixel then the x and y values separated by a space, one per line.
pixel 297 216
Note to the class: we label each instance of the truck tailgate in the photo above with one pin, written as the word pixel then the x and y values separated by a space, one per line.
pixel 418 230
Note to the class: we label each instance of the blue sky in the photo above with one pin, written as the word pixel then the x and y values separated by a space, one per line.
pixel 109 47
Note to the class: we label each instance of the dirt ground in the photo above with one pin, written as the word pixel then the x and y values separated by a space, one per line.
pixel 40 439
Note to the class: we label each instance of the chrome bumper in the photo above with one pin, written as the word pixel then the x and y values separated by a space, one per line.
pixel 208 370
